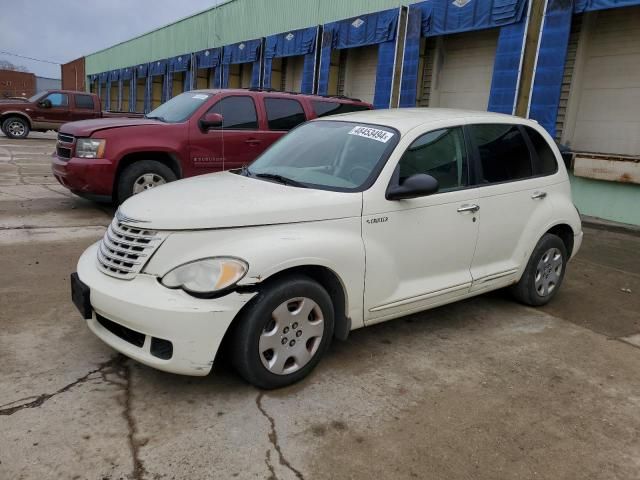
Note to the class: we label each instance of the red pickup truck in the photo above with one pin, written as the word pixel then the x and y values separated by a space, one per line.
pixel 196 132
pixel 48 110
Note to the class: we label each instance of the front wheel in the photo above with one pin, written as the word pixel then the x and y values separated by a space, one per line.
pixel 544 273
pixel 141 176
pixel 283 332
pixel 15 127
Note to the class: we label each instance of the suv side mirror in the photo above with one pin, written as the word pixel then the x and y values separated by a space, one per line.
pixel 46 103
pixel 210 120
pixel 418 185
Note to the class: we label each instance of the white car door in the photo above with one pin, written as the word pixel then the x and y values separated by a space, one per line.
pixel 514 209
pixel 419 251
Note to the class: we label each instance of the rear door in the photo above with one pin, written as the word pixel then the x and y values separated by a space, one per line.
pixel 83 108
pixel 514 209
pixel 282 114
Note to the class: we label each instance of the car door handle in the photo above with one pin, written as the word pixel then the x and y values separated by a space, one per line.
pixel 469 208
pixel 538 195
pixel 253 141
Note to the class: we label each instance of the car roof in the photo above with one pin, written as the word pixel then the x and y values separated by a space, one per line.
pixel 257 91
pixel 406 119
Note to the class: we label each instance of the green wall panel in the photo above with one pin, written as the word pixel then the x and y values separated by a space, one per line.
pixel 227 23
pixel 614 201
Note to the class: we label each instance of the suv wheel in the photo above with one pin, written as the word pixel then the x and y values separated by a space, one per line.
pixel 141 176
pixel 15 127
pixel 543 276
pixel 283 333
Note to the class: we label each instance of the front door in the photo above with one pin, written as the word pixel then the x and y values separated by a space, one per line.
pixel 238 142
pixel 56 115
pixel 419 251
pixel 512 201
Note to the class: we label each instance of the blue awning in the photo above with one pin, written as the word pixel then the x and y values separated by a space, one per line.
pixel 114 75
pixel 126 73
pixel 141 70
pixel 103 77
pixel 242 52
pixel 364 30
pixel 297 42
pixel 93 78
pixel 180 63
pixel 209 58
pixel 442 17
pixel 592 5
pixel 159 67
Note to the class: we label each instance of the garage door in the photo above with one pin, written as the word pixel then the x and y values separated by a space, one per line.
pixel 114 97
pixel 293 72
pixel 607 116
pixel 464 68
pixel 360 73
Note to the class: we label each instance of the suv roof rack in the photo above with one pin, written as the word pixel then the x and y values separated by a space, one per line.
pixel 271 90
pixel 341 97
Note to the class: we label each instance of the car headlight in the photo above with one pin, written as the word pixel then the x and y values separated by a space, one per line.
pixel 90 148
pixel 206 276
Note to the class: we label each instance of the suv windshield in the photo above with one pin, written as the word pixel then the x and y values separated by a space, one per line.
pixel 180 107
pixel 331 155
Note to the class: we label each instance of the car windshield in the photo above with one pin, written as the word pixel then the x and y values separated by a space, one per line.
pixel 37 96
pixel 331 155
pixel 180 107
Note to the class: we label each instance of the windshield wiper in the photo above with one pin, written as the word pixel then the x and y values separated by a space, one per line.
pixel 162 119
pixel 280 178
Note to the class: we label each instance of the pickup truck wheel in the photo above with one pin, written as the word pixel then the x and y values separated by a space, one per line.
pixel 544 273
pixel 15 127
pixel 141 176
pixel 283 333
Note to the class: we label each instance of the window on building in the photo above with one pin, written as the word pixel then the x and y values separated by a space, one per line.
pixel 324 109
pixel 504 155
pixel 58 99
pixel 237 112
pixel 546 163
pixel 84 102
pixel 283 113
pixel 441 154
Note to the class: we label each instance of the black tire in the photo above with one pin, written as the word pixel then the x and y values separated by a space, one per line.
pixel 129 176
pixel 527 290
pixel 259 316
pixel 15 127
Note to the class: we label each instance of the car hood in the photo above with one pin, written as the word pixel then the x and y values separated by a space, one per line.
pixel 8 103
pixel 226 200
pixel 84 128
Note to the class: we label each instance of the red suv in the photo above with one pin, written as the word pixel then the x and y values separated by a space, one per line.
pixel 196 132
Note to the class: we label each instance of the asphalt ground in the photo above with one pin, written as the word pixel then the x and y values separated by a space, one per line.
pixel 485 388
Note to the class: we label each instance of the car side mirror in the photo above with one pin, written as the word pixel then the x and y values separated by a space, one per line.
pixel 418 185
pixel 46 103
pixel 210 120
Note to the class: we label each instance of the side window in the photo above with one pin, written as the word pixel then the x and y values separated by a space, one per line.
pixel 324 109
pixel 283 114
pixel 504 155
pixel 238 113
pixel 58 99
pixel 84 102
pixel 547 163
pixel 441 154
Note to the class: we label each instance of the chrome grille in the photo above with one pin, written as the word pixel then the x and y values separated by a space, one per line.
pixel 124 250
pixel 65 145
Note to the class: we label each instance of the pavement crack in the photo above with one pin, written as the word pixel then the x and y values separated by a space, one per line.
pixel 38 400
pixel 273 438
pixel 134 445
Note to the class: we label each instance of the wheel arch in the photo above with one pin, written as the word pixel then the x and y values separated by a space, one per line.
pixel 24 116
pixel 166 158
pixel 565 233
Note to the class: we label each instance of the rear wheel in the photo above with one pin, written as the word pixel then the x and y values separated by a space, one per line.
pixel 141 176
pixel 15 127
pixel 283 333
pixel 543 276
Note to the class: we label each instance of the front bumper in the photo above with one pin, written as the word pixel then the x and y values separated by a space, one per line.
pixel 195 327
pixel 85 176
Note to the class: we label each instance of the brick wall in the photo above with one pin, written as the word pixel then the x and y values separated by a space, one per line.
pixel 17 84
pixel 73 77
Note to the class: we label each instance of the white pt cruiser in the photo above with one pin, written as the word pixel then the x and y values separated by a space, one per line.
pixel 343 223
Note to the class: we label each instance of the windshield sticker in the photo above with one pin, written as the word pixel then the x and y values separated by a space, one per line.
pixel 200 96
pixel 372 133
